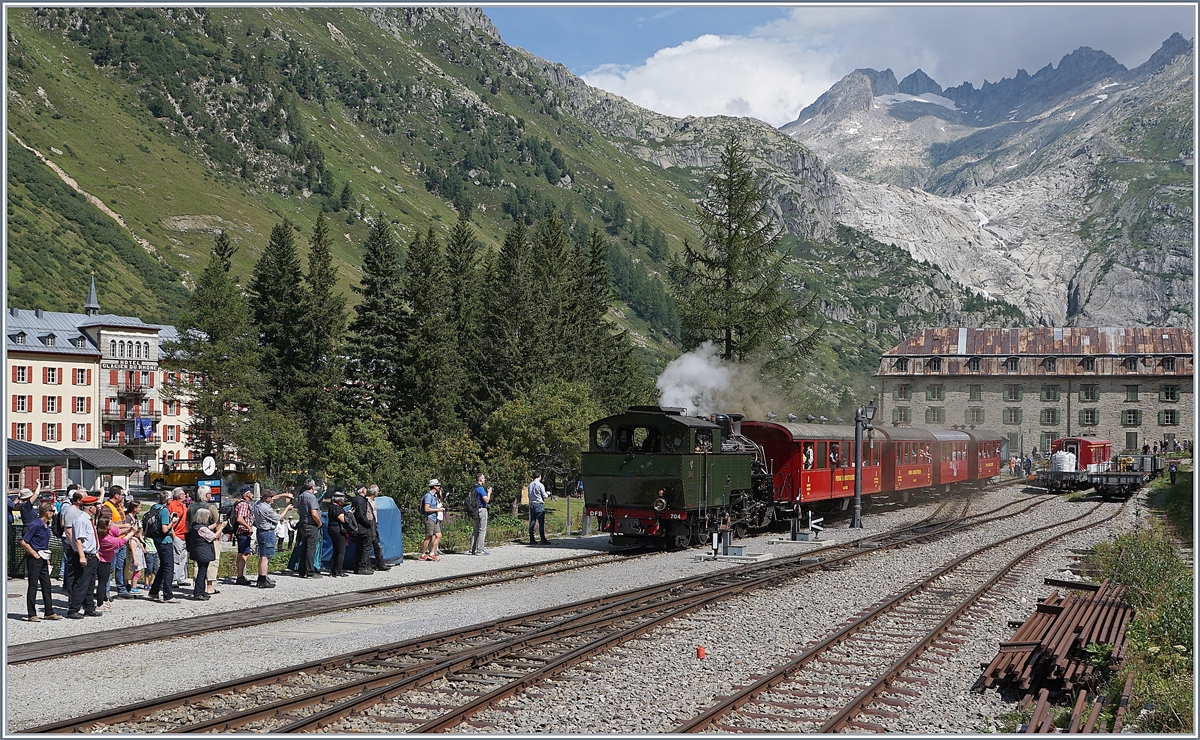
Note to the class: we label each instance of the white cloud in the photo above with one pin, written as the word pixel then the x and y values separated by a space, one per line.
pixel 777 69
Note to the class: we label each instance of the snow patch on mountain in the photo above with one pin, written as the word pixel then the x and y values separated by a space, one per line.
pixel 894 98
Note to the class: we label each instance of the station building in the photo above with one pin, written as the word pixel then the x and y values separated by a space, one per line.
pixel 92 381
pixel 1132 386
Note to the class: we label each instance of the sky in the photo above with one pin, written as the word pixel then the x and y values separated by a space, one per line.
pixel 769 62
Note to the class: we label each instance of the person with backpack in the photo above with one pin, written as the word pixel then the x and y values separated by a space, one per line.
pixel 159 525
pixel 431 508
pixel 363 513
pixel 339 530
pixel 537 508
pixel 241 520
pixel 477 509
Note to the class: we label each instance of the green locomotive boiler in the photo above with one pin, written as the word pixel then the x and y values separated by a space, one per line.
pixel 655 476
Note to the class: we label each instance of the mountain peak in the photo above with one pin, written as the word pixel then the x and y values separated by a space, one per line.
pixel 919 83
pixel 882 83
pixel 1171 48
pixel 852 94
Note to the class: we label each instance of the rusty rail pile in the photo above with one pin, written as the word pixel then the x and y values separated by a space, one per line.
pixel 1048 652
pixel 1085 717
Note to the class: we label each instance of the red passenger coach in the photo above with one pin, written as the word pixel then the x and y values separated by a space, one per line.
pixel 907 458
pixel 984 460
pixel 813 462
pixel 950 457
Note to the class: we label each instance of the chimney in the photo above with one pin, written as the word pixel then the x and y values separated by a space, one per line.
pixel 37 312
pixel 16 312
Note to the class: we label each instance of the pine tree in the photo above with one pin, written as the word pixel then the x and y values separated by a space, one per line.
pixel 374 345
pixel 224 250
pixel 217 357
pixel 431 386
pixel 278 302
pixel 325 334
pixel 511 319
pixel 346 199
pixel 731 287
pixel 464 299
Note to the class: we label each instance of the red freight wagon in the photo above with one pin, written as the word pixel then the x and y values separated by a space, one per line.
pixel 907 458
pixel 1091 454
pixel 984 461
pixel 950 465
pixel 813 462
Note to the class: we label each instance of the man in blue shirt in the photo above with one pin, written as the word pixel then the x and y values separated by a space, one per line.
pixel 431 507
pixel 310 529
pixel 479 518
pixel 36 541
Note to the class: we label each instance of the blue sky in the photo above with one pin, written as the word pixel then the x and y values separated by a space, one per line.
pixel 769 62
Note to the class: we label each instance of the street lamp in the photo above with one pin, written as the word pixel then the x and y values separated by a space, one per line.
pixel 862 421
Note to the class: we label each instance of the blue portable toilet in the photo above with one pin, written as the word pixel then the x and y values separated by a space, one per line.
pixel 391 537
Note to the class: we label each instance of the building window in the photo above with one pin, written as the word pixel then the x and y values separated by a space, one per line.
pixel 933 365
pixel 1168 417
pixel 1012 416
pixel 80 433
pixel 935 393
pixel 976 392
pixel 1050 393
pixel 120 349
pixel 51 404
pixel 973 364
pixel 49 340
pixel 146 350
pixel 21 374
pixel 1089 393
pixel 52 376
pixel 1012 364
pixel 1049 417
pixel 52 433
pixel 1088 364
pixel 974 415
pixel 80 375
pixel 1131 364
pixel 1051 364
pixel 81 404
pixel 1048 440
pixel 14 479
pixel 1089 417
pixel 1131 440
pixel 79 342
pixel 902 365
pixel 112 348
pixel 1131 418
pixel 1012 393
pixel 21 403
pixel 1168 393
pixel 902 415
pixel 1131 393
pixel 935 415
pixel 20 338
pixel 1168 364
pixel 169 433
pixel 44 477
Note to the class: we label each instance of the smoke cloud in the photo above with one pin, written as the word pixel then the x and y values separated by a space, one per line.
pixel 704 384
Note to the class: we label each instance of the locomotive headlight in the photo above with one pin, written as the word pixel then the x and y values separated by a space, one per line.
pixel 660 504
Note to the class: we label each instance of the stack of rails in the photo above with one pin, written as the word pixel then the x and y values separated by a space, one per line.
pixel 1049 650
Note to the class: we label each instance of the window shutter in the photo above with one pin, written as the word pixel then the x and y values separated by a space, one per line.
pixel 967 416
pixel 58 431
pixel 89 404
pixel 895 415
pixel 14 402
pixel 1137 417
pixel 112 377
pixel 14 430
pixel 1162 394
pixel 89 432
pixel 45 375
pixel 60 406
pixel 43 431
pixel 151 380
pixel 14 373
pixel 44 403
pixel 151 406
pixel 74 432
pixel 29 403
pixel 1162 418
pixel 895 393
pixel 89 376
pixel 981 414
pixel 61 370
pixel 1020 415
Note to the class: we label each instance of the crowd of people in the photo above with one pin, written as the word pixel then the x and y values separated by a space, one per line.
pixel 110 552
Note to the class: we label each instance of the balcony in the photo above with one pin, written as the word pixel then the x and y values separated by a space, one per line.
pixel 129 415
pixel 133 389
pixel 129 443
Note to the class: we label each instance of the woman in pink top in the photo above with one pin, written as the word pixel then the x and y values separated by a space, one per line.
pixel 110 541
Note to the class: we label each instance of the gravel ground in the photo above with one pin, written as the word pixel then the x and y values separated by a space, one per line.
pixel 769 625
pixel 749 636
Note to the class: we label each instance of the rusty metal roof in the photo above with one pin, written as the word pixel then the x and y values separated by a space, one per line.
pixel 1048 341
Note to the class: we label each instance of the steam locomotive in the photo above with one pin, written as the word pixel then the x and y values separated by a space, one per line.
pixel 656 476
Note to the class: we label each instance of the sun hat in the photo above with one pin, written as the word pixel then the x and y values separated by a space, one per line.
pixel 26 494
pixel 434 482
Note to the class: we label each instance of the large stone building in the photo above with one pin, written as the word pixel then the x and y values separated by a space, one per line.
pixel 92 380
pixel 1132 386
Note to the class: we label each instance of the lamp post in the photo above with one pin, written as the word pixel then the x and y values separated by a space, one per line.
pixel 862 420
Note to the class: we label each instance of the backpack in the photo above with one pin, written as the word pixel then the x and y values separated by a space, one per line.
pixel 229 514
pixel 56 524
pixel 151 524
pixel 471 505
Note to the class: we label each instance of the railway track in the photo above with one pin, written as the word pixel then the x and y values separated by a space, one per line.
pixel 391 687
pixel 870 667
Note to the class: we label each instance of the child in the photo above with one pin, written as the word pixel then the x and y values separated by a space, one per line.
pixel 110 541
pixel 151 561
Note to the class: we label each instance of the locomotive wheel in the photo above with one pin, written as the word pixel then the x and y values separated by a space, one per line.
pixel 681 536
pixel 740 530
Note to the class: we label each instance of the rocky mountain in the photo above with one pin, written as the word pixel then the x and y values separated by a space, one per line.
pixel 1067 192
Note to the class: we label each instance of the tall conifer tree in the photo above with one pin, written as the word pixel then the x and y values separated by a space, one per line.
pixel 431 386
pixel 511 320
pixel 278 304
pixel 374 342
pixel 464 295
pixel 325 329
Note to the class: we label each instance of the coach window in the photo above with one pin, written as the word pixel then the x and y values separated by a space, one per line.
pixel 822 461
